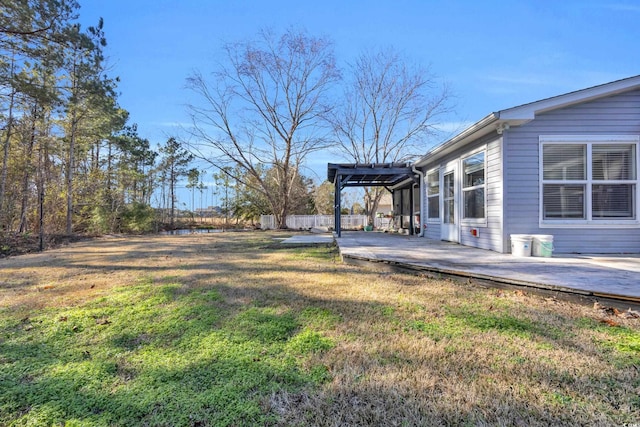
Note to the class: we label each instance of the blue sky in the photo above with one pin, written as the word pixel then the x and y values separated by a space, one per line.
pixel 493 54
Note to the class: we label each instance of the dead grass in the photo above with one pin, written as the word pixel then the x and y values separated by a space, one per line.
pixel 408 350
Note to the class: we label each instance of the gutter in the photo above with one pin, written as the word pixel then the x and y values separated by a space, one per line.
pixel 422 216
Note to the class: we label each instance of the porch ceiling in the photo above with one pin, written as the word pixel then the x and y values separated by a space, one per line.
pixel 369 175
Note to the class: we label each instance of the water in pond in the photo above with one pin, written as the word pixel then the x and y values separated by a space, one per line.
pixel 193 231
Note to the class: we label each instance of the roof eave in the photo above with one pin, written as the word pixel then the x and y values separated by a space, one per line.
pixel 480 128
pixel 530 110
pixel 522 114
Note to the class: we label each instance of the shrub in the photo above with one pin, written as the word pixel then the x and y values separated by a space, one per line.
pixel 137 218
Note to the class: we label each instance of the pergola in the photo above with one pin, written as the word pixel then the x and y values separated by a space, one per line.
pixel 392 176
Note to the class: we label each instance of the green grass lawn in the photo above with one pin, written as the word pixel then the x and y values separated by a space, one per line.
pixel 229 329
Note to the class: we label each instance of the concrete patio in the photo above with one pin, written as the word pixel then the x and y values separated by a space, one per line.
pixel 616 276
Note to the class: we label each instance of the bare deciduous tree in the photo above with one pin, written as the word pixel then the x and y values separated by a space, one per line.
pixel 389 110
pixel 263 108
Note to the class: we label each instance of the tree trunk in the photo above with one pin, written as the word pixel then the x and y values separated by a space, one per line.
pixel 40 216
pixel 5 145
pixel 25 176
pixel 163 199
pixel 40 174
pixel 70 161
pixel 172 199
pixel 373 197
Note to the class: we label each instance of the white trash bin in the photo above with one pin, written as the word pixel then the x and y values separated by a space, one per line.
pixel 542 245
pixel 521 244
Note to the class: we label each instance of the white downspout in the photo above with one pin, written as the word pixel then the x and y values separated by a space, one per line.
pixel 422 216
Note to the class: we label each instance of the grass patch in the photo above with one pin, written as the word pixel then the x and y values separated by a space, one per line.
pixel 309 341
pixel 222 329
pixel 141 356
pixel 263 325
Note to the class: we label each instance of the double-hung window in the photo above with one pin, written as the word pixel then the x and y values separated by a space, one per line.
pixel 590 180
pixel 433 195
pixel 473 187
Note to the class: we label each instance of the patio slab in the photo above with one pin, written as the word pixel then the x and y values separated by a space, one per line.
pixel 605 275
pixel 308 239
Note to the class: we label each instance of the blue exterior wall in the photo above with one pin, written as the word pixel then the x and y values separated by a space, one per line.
pixel 490 234
pixel 615 115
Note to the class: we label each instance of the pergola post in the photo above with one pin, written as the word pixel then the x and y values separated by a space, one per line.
pixel 337 205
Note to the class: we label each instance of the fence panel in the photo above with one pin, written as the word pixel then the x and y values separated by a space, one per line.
pixel 305 222
pixel 267 222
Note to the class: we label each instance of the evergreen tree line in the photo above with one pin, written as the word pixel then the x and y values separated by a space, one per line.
pixel 70 160
pixel 67 152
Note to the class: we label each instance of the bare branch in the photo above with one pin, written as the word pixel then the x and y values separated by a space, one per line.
pixel 388 111
pixel 264 109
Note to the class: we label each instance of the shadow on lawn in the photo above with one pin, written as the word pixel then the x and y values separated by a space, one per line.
pixel 234 372
pixel 208 353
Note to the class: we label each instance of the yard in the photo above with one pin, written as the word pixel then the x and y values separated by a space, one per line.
pixel 234 329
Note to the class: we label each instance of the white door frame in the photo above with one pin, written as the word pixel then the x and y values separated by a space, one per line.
pixel 450 226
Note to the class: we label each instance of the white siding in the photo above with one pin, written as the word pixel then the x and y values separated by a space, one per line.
pixel 616 115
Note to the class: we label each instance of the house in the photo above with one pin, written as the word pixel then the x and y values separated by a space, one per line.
pixel 385 207
pixel 565 166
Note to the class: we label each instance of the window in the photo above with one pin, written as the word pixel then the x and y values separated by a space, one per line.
pixel 565 163
pixel 589 179
pixel 433 194
pixel 613 172
pixel 473 186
